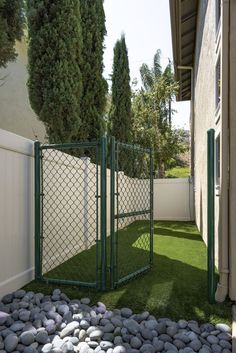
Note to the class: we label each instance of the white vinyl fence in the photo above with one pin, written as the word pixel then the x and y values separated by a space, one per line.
pixel 173 200
pixel 16 211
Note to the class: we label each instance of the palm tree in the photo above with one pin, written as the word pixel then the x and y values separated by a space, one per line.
pixel 150 76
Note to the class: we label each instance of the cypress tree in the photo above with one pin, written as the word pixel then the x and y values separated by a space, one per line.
pixel 11 28
pixel 120 113
pixel 55 82
pixel 93 100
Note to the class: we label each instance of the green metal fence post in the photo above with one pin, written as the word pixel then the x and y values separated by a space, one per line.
pixel 151 207
pixel 103 211
pixel 38 266
pixel 112 212
pixel 211 214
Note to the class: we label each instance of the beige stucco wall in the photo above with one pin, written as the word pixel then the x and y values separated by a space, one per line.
pixel 16 114
pixel 232 186
pixel 204 109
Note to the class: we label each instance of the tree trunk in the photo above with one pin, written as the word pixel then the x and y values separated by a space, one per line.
pixel 161 170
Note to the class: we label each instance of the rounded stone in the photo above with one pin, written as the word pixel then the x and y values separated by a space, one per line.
pixel 118 340
pixel 47 348
pixel 19 294
pixel 30 349
pixel 20 347
pixel 84 324
pixel 82 335
pixel 95 335
pixel 85 301
pixel 195 345
pixel 192 335
pixel 171 330
pixel 165 338
pixel 225 344
pixel 169 346
pixel 7 299
pixel 147 334
pixel 105 345
pixel 30 328
pixel 108 336
pixel 100 310
pixel 24 315
pixel 108 328
pixel 204 350
pixel 157 344
pixel 216 348
pixel 27 338
pixel 119 349
pixel 194 328
pixel 82 347
pixel 161 328
pixel 147 348
pixel 182 324
pixel 225 336
pixel 183 337
pixel 179 344
pixel 17 326
pixel 68 347
pixel 126 312
pixel 223 328
pixel 10 342
pixel 63 309
pixel 91 329
pixel 3 317
pixel 132 326
pixel 56 291
pixel 69 329
pixel 188 350
pixel 93 344
pixel 42 337
pixel 212 339
pixel 135 342
pixel 151 324
pixel 206 327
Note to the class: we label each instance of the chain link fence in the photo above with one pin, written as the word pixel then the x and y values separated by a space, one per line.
pixel 77 224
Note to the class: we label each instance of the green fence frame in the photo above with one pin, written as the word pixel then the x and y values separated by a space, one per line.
pixel 103 149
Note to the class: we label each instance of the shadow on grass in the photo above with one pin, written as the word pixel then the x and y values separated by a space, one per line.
pixel 175 287
pixel 132 252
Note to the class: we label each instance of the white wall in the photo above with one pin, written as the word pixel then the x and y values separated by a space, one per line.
pixel 172 201
pixel 16 211
pixel 16 114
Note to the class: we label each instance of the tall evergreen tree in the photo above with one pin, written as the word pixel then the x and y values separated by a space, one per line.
pixel 93 100
pixel 120 113
pixel 55 81
pixel 11 28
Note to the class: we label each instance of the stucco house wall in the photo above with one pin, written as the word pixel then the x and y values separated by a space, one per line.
pixel 16 114
pixel 204 109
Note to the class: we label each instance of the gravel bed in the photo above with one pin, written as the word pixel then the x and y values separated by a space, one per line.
pixel 32 323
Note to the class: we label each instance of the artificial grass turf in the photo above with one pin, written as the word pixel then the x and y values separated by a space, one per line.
pixel 175 287
pixel 178 172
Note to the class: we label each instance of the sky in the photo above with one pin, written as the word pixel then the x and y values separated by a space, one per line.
pixel 146 25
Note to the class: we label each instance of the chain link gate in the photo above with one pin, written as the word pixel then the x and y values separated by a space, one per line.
pixel 131 211
pixel 73 217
